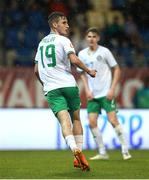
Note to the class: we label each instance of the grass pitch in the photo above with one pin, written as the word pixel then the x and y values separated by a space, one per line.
pixel 59 165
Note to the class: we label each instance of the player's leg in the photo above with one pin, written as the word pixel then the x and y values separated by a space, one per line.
pixel 110 108
pixel 102 154
pixel 65 122
pixel 73 101
pixel 120 134
pixel 77 129
pixel 78 134
pixel 79 160
pixel 93 109
pixel 58 105
pixel 72 97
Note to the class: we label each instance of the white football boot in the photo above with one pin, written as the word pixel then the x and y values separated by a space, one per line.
pixel 100 157
pixel 126 156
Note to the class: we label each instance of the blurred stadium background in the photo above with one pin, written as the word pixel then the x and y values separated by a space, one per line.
pixel 25 120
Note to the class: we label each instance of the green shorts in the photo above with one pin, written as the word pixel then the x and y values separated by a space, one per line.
pixel 64 99
pixel 95 105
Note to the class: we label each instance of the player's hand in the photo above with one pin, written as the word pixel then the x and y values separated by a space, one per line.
pixel 92 72
pixel 89 95
pixel 110 94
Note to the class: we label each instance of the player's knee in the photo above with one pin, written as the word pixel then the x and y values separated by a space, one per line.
pixel 92 124
pixel 114 122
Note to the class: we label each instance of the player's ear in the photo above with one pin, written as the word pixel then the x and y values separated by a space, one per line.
pixel 54 24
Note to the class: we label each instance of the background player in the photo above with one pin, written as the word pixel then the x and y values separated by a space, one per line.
pixel 100 91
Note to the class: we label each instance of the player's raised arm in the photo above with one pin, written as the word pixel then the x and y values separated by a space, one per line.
pixel 76 61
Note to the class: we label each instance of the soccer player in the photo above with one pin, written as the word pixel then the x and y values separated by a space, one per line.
pixel 100 91
pixel 53 69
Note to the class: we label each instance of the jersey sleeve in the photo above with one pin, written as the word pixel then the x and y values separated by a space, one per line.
pixel 110 58
pixel 68 47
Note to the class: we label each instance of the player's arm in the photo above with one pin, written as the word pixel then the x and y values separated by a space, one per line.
pixel 76 61
pixel 88 92
pixel 116 76
pixel 116 73
pixel 37 73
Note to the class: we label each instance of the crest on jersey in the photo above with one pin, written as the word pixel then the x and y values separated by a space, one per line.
pixel 99 58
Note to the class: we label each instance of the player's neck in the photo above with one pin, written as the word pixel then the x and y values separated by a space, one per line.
pixel 53 31
pixel 93 48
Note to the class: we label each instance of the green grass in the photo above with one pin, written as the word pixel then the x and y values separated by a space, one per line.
pixel 58 165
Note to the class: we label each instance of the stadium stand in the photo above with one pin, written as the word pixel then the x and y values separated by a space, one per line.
pixel 122 28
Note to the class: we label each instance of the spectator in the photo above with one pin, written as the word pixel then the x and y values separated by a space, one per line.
pixel 126 52
pixel 114 31
pixel 139 58
pixel 141 98
pixel 30 16
pixel 131 32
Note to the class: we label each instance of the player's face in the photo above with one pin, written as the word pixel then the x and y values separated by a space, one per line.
pixel 62 26
pixel 92 39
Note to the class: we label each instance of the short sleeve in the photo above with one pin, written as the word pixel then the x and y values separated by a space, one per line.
pixel 68 47
pixel 80 55
pixel 110 58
